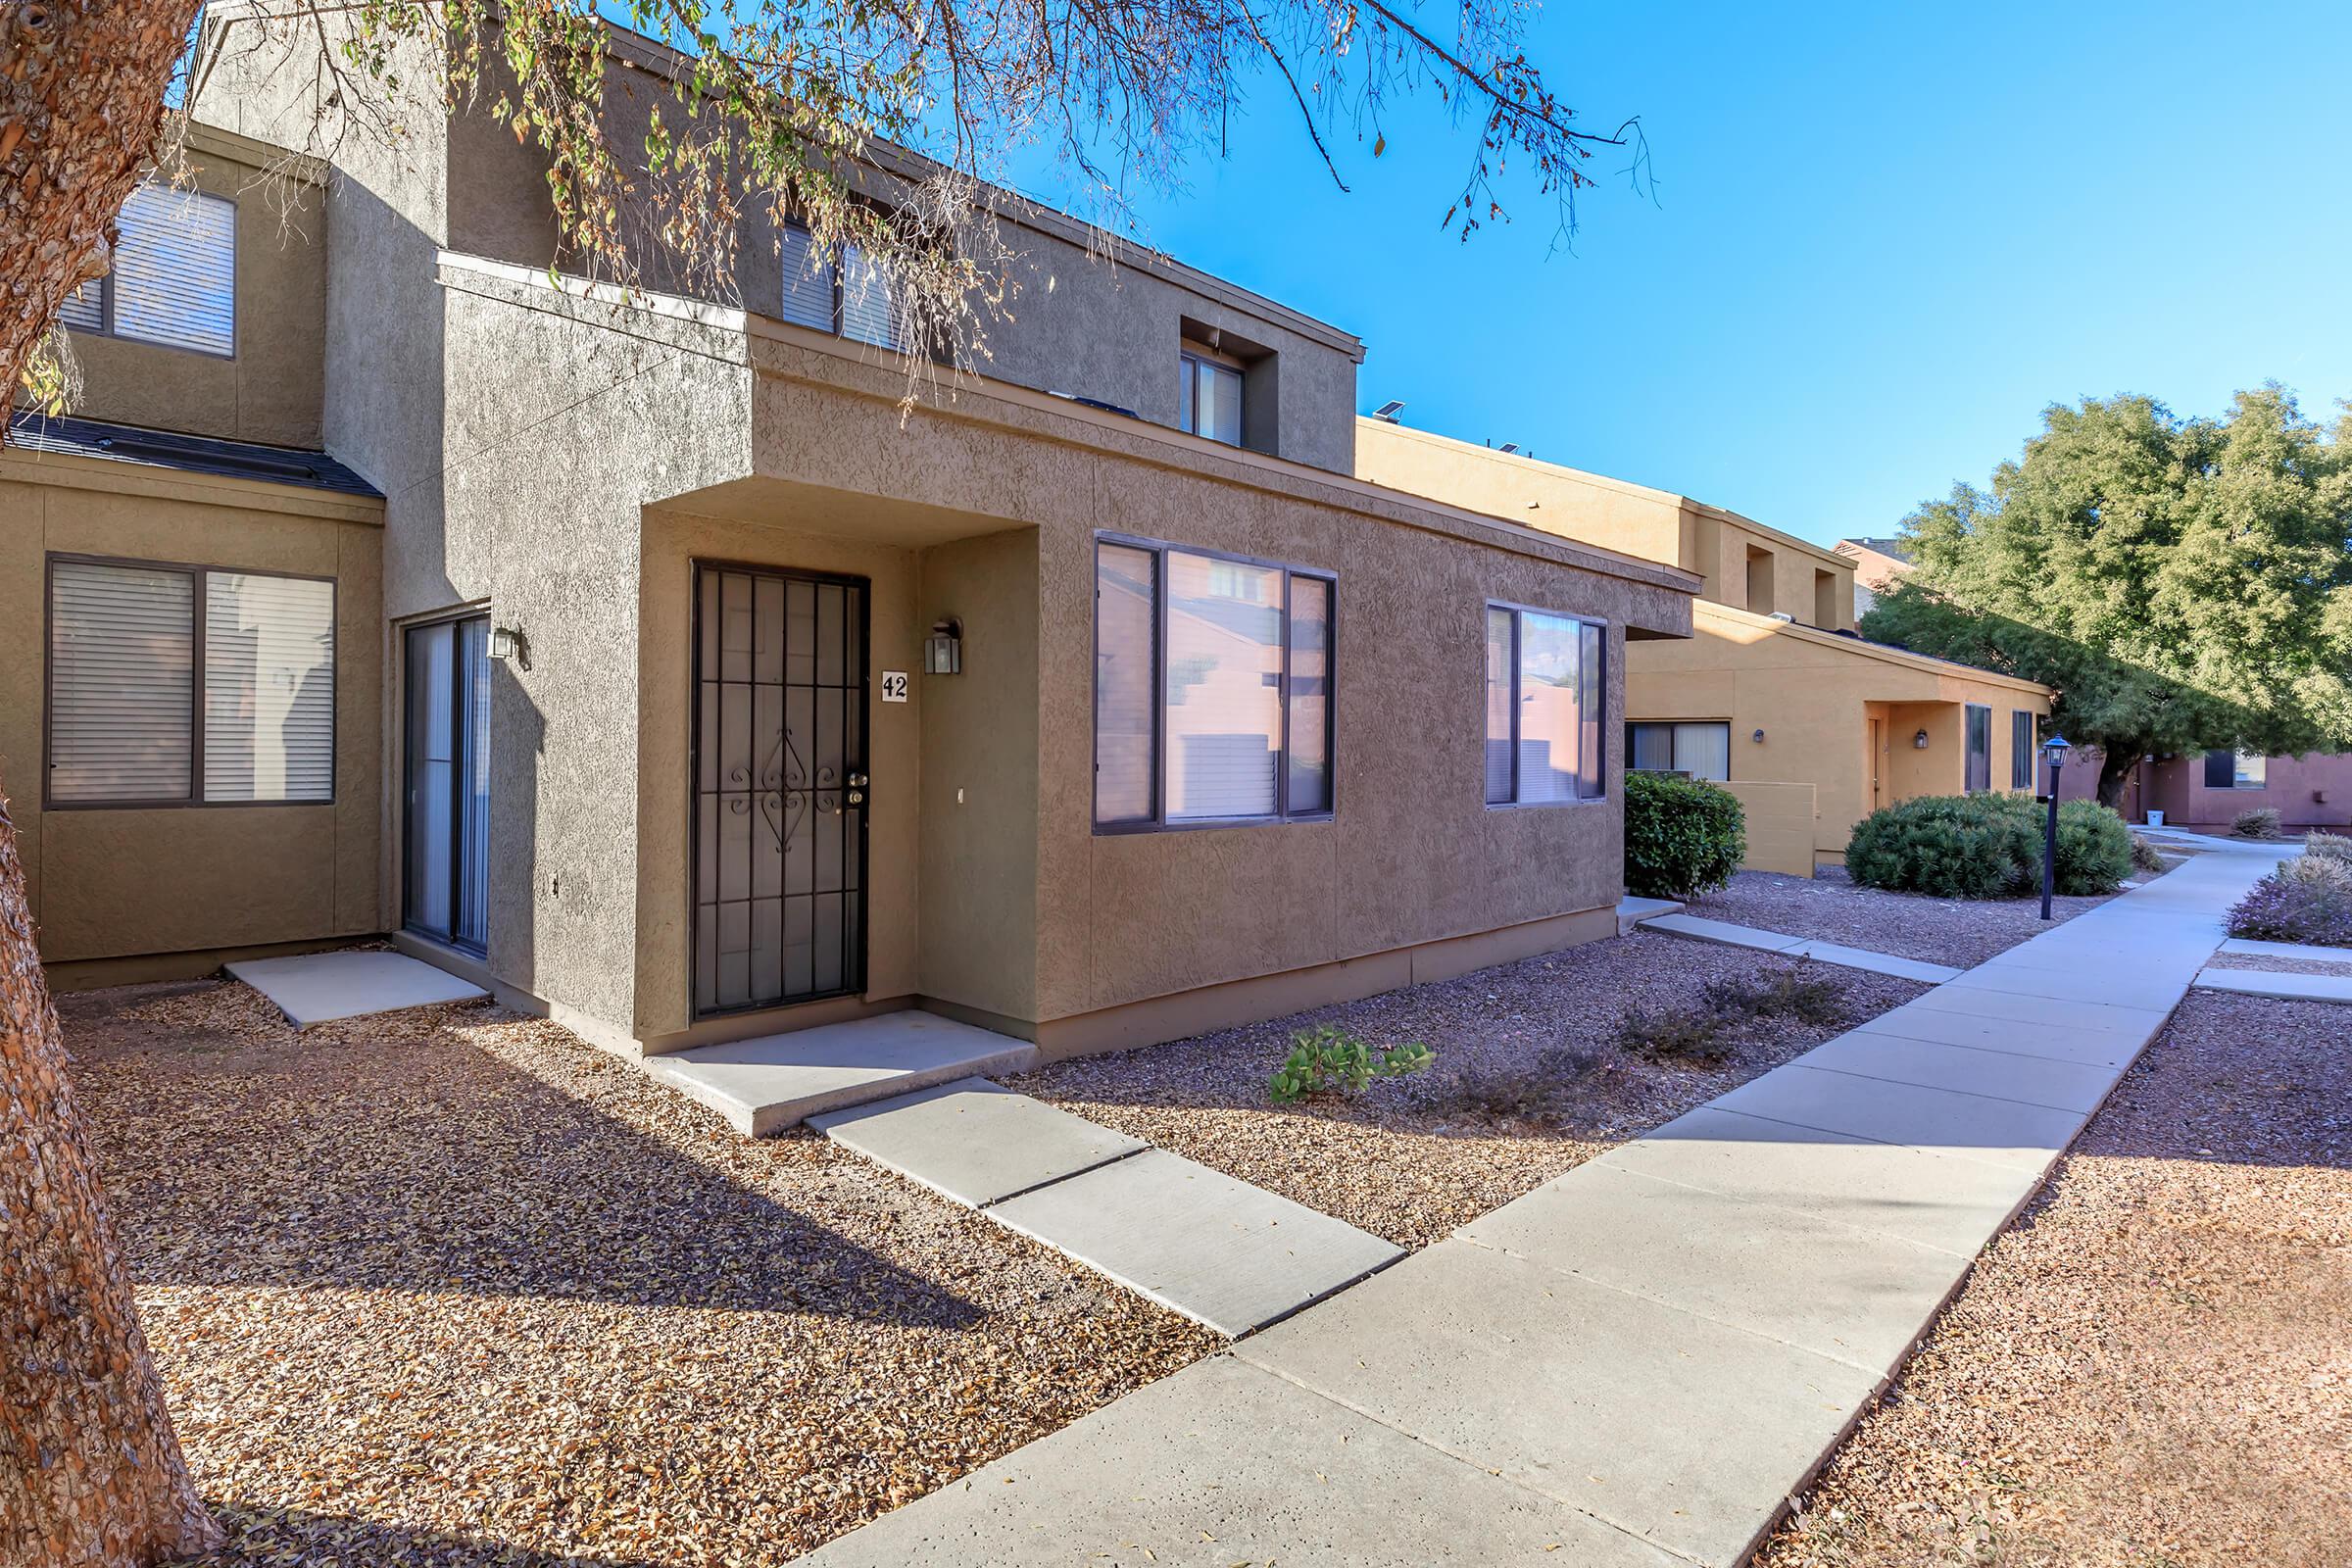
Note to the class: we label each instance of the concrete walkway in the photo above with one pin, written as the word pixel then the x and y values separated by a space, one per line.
pixel 351 983
pixel 2336 988
pixel 1226 1255
pixel 1639 1362
pixel 1837 953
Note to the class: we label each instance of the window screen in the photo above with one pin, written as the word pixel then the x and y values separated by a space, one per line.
pixel 1545 706
pixel 133 647
pixel 868 308
pixel 853 299
pixel 1978 767
pixel 121 663
pixel 269 688
pixel 2021 750
pixel 1213 688
pixel 1209 401
pixel 808 282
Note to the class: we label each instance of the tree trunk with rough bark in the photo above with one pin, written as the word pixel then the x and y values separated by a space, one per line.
pixel 2115 771
pixel 81 100
pixel 90 1472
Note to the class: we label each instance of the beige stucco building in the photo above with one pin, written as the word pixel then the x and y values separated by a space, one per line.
pixel 1775 696
pixel 689 684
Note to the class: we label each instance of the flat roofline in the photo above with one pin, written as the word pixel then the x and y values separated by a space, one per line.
pixel 1621 486
pixel 1863 648
pixel 1176 449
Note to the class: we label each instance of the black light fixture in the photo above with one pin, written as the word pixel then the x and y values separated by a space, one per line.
pixel 2055 749
pixel 1919 741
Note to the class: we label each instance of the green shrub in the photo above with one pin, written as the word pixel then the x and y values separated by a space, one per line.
pixel 2259 823
pixel 1681 836
pixel 2145 856
pixel 1329 1057
pixel 1986 846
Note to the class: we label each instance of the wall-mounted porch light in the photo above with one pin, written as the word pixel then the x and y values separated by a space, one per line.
pixel 1920 741
pixel 509 642
pixel 942 650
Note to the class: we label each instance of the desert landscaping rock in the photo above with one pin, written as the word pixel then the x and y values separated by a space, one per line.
pixel 2151 1370
pixel 1945 931
pixel 449 1287
pixel 1530 1081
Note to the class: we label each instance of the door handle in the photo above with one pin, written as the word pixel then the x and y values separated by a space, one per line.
pixel 858 781
pixel 857 797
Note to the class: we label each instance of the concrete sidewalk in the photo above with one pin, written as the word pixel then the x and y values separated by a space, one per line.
pixel 1639 1362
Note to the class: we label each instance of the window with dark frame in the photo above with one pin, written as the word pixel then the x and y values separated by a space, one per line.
pixel 1209 398
pixel 174 282
pixel 2023 748
pixel 176 685
pixel 1702 749
pixel 1545 700
pixel 1212 688
pixel 1977 770
pixel 2236 771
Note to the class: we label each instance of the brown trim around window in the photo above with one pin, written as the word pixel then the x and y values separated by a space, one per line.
pixel 195 796
pixel 1157 822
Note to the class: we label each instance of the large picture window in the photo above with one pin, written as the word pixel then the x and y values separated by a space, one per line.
pixel 1701 749
pixel 173 685
pixel 2236 771
pixel 1545 700
pixel 1212 688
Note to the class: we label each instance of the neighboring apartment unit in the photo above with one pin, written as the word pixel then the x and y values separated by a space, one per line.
pixel 2202 789
pixel 688 687
pixel 1775 696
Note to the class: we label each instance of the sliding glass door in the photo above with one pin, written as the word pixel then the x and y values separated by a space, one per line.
pixel 448 806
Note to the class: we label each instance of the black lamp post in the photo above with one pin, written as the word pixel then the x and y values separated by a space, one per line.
pixel 2055 749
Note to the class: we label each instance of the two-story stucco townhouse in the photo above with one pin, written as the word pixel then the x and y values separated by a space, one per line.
pixel 645 661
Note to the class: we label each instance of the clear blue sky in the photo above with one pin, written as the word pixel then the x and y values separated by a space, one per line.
pixel 1884 237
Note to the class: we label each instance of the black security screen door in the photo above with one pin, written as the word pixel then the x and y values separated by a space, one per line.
pixel 779 787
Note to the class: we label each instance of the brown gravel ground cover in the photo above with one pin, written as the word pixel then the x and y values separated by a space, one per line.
pixel 450 1287
pixel 1960 932
pixel 1529 1081
pixel 2153 1368
pixel 2275 965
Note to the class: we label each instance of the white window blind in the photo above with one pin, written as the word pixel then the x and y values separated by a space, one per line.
pixel 868 308
pixel 122 720
pixel 808 282
pixel 84 309
pixel 1224 723
pixel 176 268
pixel 269 688
pixel 1126 641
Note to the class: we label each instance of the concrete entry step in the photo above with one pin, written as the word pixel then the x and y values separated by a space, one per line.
pixel 771 1081
pixel 319 987
pixel 976 1142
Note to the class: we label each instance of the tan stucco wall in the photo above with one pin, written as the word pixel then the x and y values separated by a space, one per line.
pixel 1654 524
pixel 1781 825
pixel 269 391
pixel 1812 696
pixel 110 883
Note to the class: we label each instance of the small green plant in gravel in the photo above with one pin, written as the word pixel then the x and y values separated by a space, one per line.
pixel 1329 1057
pixel 2260 823
pixel 1681 836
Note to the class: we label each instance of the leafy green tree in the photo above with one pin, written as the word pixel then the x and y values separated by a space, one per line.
pixel 2180 583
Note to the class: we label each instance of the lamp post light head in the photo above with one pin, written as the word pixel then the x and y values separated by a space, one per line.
pixel 2055 749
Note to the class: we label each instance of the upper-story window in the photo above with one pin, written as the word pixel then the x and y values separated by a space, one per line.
pixel 174 685
pixel 174 280
pixel 853 298
pixel 1545 697
pixel 1209 401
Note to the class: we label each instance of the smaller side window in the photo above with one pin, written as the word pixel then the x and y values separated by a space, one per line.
pixel 1209 398
pixel 2236 771
pixel 855 299
pixel 1545 694
pixel 2021 750
pixel 1977 773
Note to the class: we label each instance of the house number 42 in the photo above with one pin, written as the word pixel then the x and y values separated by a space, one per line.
pixel 894 685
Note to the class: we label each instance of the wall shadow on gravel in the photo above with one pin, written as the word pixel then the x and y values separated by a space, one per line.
pixel 405 1158
pixel 271 1536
